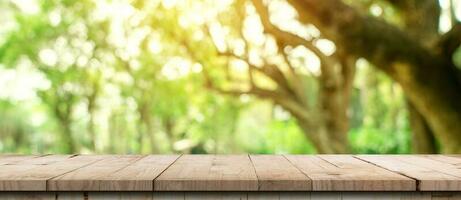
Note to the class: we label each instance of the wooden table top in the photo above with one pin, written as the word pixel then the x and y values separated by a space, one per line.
pixel 230 173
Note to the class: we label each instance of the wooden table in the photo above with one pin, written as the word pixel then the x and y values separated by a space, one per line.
pixel 230 177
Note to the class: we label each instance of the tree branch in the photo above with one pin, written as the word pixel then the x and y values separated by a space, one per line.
pixel 450 41
pixel 284 37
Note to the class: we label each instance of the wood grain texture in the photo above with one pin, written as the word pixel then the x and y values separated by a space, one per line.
pixel 276 173
pixel 11 159
pixel 32 174
pixel 43 160
pixel 346 173
pixel 231 195
pixel 208 173
pixel 92 177
pixel 445 159
pixel 139 176
pixel 428 179
pixel 440 166
pixel 204 173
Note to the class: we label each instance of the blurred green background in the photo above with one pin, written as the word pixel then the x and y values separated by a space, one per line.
pixel 134 76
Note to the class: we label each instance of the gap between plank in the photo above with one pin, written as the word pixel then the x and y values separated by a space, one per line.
pixel 254 170
pixel 153 181
pixel 416 180
pixel 307 176
pixel 46 182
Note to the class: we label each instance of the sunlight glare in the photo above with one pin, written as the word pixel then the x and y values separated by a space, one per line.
pixel 176 68
pixel 48 57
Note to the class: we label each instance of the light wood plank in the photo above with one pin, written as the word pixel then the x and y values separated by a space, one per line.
pixel 89 178
pixel 429 179
pixel 11 159
pixel 276 173
pixel 345 173
pixel 445 159
pixel 43 160
pixel 32 175
pixel 439 166
pixel 138 176
pixel 208 173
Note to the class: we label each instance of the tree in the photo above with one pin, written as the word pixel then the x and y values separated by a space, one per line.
pixel 323 118
pixel 415 55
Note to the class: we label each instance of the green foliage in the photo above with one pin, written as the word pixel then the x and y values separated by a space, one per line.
pixel 127 83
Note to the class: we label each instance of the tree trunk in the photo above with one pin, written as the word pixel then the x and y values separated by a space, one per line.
pixel 423 141
pixel 67 141
pixel 317 136
pixel 168 125
pixel 91 125
pixel 91 108
pixel 147 126
pixel 426 78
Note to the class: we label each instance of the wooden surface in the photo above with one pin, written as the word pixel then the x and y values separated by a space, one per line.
pixel 277 173
pixel 239 173
pixel 346 173
pixel 231 195
pixel 209 173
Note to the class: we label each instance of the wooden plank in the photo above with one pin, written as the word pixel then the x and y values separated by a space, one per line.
pixel 43 160
pixel 436 165
pixel 138 176
pixel 89 178
pixel 32 175
pixel 11 159
pixel 276 173
pixel 429 179
pixel 445 159
pixel 340 173
pixel 208 173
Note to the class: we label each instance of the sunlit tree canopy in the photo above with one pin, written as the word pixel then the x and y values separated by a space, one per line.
pixel 230 76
